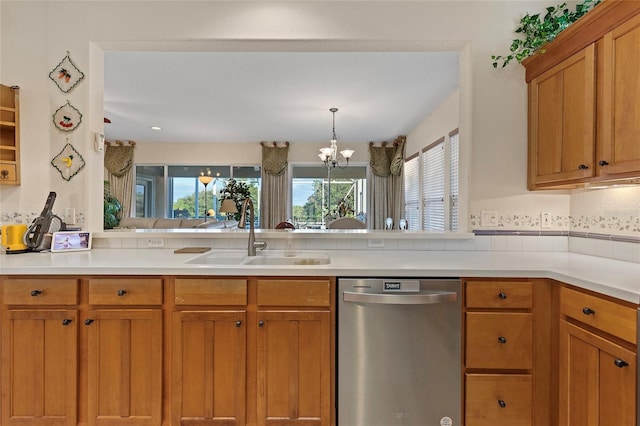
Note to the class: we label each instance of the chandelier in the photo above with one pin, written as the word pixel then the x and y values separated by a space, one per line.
pixel 329 155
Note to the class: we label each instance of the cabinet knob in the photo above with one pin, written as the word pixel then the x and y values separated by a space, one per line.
pixel 583 167
pixel 603 163
pixel 501 403
pixel 502 339
pixel 35 293
pixel 122 292
pixel 238 323
pixel 588 311
pixel 502 295
pixel 66 321
pixel 261 323
pixel 88 321
pixel 620 363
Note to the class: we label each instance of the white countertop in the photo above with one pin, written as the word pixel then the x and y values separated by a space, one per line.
pixel 611 277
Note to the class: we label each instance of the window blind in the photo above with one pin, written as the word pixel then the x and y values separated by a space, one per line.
pixel 412 192
pixel 433 163
pixel 454 180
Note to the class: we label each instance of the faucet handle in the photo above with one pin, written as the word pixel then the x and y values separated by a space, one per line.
pixel 260 244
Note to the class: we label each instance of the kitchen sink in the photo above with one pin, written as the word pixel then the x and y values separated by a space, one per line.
pixel 296 259
pixel 222 257
pixel 267 258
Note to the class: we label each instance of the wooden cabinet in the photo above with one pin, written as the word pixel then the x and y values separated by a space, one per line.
pixel 251 351
pixel 9 135
pixel 124 351
pixel 561 121
pixel 506 355
pixel 236 351
pixel 619 107
pixel 597 360
pixel 209 334
pixel 40 351
pixel 294 373
pixel 584 108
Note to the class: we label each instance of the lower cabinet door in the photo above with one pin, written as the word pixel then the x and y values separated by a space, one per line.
pixel 294 368
pixel 124 367
pixel 39 365
pixel 498 399
pixel 209 368
pixel 597 380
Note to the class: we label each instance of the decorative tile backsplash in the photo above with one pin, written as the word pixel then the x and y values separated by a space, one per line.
pixel 7 218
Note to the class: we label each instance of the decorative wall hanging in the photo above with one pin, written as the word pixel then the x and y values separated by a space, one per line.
pixel 66 75
pixel 68 162
pixel 67 118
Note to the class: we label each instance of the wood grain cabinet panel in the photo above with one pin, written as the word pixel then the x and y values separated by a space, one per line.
pixel 288 292
pixel 496 399
pixel 40 291
pixel 562 121
pixel 125 291
pixel 618 152
pixel 499 294
pixel 211 291
pixel 608 316
pixel 209 368
pixel 39 367
pixel 294 368
pixel 124 367
pixel 499 340
pixel 597 380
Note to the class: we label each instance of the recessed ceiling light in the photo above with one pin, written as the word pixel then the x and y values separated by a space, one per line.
pixel 155 128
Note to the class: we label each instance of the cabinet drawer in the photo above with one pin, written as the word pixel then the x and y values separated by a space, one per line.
pixel 40 291
pixel 125 291
pixel 498 399
pixel 8 170
pixel 608 316
pixel 499 294
pixel 210 291
pixel 293 292
pixel 499 340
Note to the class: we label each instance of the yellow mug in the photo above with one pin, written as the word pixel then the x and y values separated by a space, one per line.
pixel 13 237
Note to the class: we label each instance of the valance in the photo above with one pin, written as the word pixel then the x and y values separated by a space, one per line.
pixel 118 159
pixel 385 160
pixel 275 158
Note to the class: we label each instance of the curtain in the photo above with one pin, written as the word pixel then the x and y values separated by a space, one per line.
pixel 118 164
pixel 385 184
pixel 274 197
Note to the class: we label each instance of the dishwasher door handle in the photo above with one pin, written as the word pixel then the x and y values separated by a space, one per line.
pixel 401 299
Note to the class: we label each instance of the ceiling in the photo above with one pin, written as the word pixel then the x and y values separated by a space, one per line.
pixel 272 96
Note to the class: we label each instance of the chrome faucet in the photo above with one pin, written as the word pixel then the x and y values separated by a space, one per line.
pixel 253 244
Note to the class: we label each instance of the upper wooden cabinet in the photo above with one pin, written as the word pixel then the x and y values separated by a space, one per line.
pixel 9 135
pixel 618 147
pixel 584 101
pixel 561 121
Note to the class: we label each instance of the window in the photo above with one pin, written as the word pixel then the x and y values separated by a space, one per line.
pixel 412 192
pixel 432 186
pixel 311 187
pixel 173 191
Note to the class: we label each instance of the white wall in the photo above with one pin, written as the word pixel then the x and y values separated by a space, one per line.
pixel 36 35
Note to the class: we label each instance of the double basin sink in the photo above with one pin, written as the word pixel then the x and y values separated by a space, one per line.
pixel 266 258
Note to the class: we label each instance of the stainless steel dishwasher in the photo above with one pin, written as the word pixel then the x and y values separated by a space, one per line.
pixel 398 357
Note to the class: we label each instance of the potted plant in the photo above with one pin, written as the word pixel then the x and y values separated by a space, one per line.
pixel 236 191
pixel 112 208
pixel 538 30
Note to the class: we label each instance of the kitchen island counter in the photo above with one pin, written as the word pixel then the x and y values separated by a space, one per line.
pixel 610 277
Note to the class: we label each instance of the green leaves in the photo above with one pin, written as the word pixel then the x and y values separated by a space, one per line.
pixel 539 31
